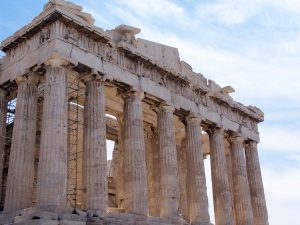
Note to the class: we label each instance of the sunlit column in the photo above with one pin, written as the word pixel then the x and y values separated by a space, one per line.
pixel 258 200
pixel 19 188
pixel 221 190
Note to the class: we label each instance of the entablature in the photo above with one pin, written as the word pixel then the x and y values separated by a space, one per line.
pixel 61 32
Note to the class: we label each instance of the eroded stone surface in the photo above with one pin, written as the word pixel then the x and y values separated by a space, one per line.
pixel 150 91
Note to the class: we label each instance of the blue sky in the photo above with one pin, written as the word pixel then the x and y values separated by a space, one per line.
pixel 253 46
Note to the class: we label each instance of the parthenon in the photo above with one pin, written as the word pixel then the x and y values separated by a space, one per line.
pixel 68 86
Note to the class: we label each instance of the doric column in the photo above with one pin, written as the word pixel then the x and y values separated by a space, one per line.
pixel 196 182
pixel 182 175
pixel 120 192
pixel 221 190
pixel 156 173
pixel 258 200
pixel 52 174
pixel 94 155
pixel 153 172
pixel 241 193
pixel 19 187
pixel 135 178
pixel 3 112
pixel 169 185
pixel 148 135
pixel 120 157
pixel 229 173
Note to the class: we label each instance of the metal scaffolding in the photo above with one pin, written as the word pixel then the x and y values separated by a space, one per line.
pixel 10 116
pixel 75 128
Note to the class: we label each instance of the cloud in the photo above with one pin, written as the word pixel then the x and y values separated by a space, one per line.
pixel 155 9
pixel 237 12
pixel 267 66
pixel 227 12
pixel 280 138
pixel 260 60
pixel 282 195
pixel 253 46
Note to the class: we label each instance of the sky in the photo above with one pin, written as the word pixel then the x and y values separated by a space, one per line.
pixel 251 45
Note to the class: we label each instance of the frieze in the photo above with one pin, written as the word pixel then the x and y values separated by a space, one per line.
pixel 45 35
pixel 30 44
pixel 142 67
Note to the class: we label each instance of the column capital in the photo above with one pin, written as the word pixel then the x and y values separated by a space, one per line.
pixel 94 76
pixel 56 62
pixel 236 138
pixel 214 128
pixel 194 118
pixel 250 144
pixel 166 107
pixel 132 92
pixel 30 77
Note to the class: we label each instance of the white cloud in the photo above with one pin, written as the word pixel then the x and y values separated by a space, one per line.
pixel 235 12
pixel 227 12
pixel 156 10
pixel 262 67
pixel 290 5
pixel 268 66
pixel 282 195
pixel 280 138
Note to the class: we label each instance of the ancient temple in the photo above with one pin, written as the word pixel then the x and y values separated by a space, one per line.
pixel 66 86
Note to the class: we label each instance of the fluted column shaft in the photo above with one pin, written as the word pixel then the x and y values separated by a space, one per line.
pixel 196 182
pixel 182 175
pixel 94 156
pixel 229 174
pixel 221 190
pixel 169 185
pixel 241 193
pixel 135 178
pixel 120 157
pixel 258 200
pixel 148 135
pixel 3 112
pixel 19 187
pixel 156 174
pixel 52 174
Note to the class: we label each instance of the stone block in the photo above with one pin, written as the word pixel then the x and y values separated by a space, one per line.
pixel 81 213
pixel 38 222
pixel 71 222
pixel 72 217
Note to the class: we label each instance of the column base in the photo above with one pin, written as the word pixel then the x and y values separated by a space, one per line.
pixel 38 216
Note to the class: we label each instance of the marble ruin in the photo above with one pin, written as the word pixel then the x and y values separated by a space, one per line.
pixel 67 86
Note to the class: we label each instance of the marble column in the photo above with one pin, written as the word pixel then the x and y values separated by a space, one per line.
pixel 115 164
pixel 52 170
pixel 229 172
pixel 196 182
pixel 241 193
pixel 120 193
pixel 258 200
pixel 94 155
pixel 156 174
pixel 148 135
pixel 221 190
pixel 3 112
pixel 135 177
pixel 169 184
pixel 19 187
pixel 182 175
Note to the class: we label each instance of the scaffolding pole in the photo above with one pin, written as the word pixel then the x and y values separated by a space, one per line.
pixel 75 125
